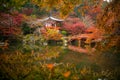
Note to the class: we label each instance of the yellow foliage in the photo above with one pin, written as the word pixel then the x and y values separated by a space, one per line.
pixel 64 6
pixel 52 33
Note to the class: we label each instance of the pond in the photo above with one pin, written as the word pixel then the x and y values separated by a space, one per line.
pixel 54 53
pixel 57 53
pixel 66 55
pixel 32 64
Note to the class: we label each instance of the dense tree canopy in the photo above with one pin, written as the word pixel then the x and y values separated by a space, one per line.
pixel 64 6
pixel 109 23
pixel 7 5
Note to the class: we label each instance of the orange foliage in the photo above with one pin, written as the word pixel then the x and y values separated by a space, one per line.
pixel 67 74
pixel 50 66
pixel 108 23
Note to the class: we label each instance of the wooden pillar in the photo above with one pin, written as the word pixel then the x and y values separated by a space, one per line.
pixel 79 42
pixel 88 42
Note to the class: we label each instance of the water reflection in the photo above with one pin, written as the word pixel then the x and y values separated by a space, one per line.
pixel 105 63
pixel 98 61
pixel 66 55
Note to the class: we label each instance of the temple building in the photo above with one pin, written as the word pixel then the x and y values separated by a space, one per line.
pixel 51 21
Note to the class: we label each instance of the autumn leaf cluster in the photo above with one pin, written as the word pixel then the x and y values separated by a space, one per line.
pixel 51 33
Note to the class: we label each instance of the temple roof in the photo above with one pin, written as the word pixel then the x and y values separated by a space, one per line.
pixel 50 18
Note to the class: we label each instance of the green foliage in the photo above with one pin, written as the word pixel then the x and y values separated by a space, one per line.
pixel 31 42
pixel 7 5
pixel 105 3
pixel 32 9
pixel 64 32
pixel 26 29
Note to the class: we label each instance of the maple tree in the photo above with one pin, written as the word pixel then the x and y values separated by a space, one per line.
pixel 109 23
pixel 73 26
pixel 10 23
pixel 17 18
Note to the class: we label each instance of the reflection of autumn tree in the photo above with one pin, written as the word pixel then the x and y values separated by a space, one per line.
pixel 109 23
